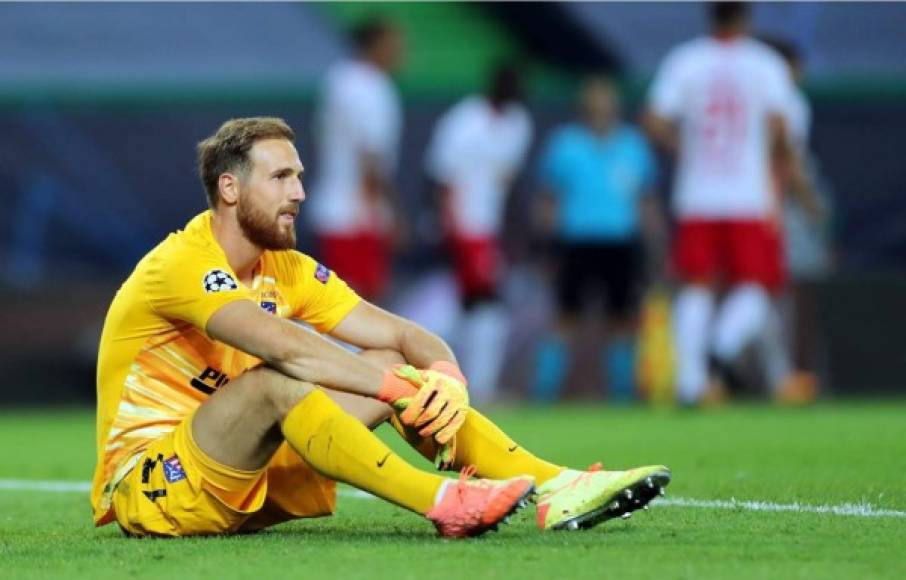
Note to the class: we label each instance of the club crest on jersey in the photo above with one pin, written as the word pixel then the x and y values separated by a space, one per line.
pixel 218 281
pixel 173 470
pixel 269 306
pixel 322 274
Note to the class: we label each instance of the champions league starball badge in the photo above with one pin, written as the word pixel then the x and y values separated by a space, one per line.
pixel 218 281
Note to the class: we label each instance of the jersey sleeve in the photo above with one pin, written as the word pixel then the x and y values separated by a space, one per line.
pixel 375 122
pixel 439 160
pixel 522 140
pixel 318 296
pixel 777 85
pixel 190 283
pixel 665 97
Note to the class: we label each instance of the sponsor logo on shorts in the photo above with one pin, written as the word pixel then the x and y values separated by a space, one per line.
pixel 322 274
pixel 219 281
pixel 173 470
pixel 269 306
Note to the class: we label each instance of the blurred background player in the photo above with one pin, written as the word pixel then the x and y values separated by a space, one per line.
pixel 597 175
pixel 788 347
pixel 360 117
pixel 719 102
pixel 476 150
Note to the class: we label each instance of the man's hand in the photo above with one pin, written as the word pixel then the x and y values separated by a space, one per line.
pixel 439 409
pixel 398 389
pixel 435 401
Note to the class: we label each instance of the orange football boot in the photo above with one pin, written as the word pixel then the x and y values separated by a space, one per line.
pixel 469 508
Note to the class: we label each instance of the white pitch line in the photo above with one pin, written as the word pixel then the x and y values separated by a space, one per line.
pixel 38 485
pixel 864 510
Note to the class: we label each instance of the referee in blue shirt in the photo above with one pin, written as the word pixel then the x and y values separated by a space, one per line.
pixel 597 176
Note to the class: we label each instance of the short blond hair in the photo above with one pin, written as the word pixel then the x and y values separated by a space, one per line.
pixel 228 149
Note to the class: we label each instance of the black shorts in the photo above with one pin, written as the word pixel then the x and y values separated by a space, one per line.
pixel 589 270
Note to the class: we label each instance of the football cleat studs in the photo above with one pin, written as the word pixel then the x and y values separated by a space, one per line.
pixel 661 491
pixel 649 482
pixel 615 505
pixel 627 493
pixel 626 516
pixel 572 525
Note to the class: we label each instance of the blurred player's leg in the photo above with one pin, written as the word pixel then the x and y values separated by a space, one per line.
pixel 697 255
pixel 552 363
pixel 772 349
pixel 619 363
pixel 620 270
pixel 484 325
pixel 483 341
pixel 753 262
pixel 553 358
pixel 691 317
pixel 739 320
pixel 787 386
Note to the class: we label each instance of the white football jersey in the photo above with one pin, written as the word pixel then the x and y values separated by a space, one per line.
pixel 359 114
pixel 721 94
pixel 477 151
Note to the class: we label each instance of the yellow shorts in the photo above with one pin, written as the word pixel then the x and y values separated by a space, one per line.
pixel 177 490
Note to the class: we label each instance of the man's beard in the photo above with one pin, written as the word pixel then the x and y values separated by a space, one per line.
pixel 263 230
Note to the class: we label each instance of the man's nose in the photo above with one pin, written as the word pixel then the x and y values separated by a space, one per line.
pixel 298 193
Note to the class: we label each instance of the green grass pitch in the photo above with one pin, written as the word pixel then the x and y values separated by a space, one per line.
pixel 831 454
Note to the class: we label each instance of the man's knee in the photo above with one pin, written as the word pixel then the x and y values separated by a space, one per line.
pixel 274 389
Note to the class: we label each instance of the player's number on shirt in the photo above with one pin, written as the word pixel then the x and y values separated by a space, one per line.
pixel 723 130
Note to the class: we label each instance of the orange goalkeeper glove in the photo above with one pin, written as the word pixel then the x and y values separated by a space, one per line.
pixel 445 414
pixel 435 401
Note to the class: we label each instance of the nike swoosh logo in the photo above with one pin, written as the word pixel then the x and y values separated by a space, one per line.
pixel 513 448
pixel 382 461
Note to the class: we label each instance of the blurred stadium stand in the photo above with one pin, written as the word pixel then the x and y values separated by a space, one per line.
pixel 98 51
pixel 101 105
pixel 840 38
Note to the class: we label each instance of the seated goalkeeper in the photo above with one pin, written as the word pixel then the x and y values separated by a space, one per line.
pixel 217 414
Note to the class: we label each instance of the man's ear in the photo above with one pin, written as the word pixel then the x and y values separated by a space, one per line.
pixel 228 187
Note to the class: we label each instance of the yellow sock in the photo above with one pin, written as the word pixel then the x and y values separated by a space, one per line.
pixel 340 447
pixel 481 443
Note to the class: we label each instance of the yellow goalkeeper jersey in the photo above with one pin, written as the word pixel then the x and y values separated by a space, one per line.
pixel 156 364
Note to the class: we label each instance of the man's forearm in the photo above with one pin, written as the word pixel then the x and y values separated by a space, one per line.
pixel 310 357
pixel 421 348
pixel 802 189
pixel 661 131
